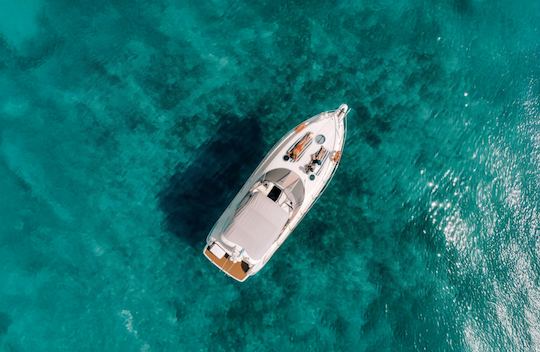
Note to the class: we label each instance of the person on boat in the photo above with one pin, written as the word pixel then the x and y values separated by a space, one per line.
pixel 316 159
pixel 299 147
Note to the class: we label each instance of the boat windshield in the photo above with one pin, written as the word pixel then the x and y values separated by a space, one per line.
pixel 288 182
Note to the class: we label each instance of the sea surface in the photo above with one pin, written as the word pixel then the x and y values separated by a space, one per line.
pixel 126 127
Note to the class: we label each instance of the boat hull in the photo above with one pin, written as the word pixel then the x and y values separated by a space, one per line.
pixel 331 125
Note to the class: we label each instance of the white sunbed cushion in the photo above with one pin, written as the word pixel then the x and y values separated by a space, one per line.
pixel 217 251
pixel 257 226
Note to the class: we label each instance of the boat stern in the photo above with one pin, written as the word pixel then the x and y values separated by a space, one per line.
pixel 219 256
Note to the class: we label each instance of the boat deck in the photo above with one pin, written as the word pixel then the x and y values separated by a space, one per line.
pixel 236 270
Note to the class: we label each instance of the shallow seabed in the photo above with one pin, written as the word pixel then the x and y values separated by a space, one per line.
pixel 126 127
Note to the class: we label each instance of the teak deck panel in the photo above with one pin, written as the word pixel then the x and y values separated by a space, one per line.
pixel 230 267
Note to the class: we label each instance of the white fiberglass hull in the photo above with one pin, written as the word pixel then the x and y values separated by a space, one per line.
pixel 235 260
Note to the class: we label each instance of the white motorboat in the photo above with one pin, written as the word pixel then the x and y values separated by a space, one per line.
pixel 277 195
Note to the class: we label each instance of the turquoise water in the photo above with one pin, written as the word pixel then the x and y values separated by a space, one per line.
pixel 126 127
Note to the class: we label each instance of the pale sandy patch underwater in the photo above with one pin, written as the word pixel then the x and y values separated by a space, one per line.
pixel 116 116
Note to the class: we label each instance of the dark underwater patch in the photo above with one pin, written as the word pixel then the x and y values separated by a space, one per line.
pixel 5 322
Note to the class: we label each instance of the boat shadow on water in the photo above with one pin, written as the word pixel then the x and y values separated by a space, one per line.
pixel 194 197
